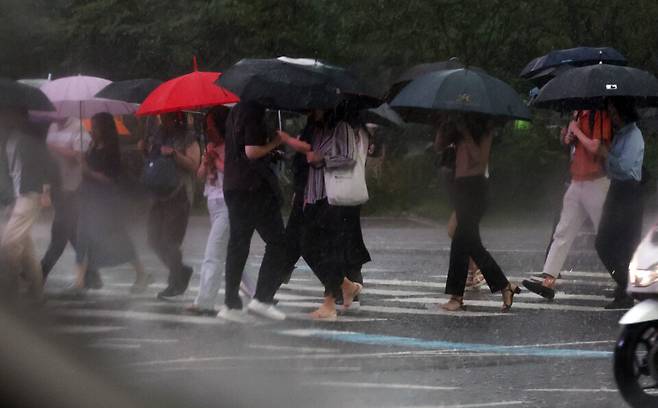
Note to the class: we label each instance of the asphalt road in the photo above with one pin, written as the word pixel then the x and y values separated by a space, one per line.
pixel 398 350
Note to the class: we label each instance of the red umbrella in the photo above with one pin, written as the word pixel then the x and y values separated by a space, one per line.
pixel 192 91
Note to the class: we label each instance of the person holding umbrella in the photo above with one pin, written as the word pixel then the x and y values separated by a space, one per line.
pixel 178 152
pixel 621 223
pixel 103 239
pixel 253 198
pixel 332 241
pixel 67 143
pixel 473 137
pixel 589 133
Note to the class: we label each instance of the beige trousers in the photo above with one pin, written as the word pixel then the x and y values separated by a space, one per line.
pixel 583 199
pixel 16 247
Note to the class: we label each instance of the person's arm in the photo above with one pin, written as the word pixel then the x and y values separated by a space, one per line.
pixel 294 143
pixel 219 161
pixel 255 152
pixel 189 160
pixel 591 145
pixel 629 157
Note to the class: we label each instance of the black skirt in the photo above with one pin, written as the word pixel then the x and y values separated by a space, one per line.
pixel 332 234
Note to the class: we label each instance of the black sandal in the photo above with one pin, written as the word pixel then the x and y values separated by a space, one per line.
pixel 515 290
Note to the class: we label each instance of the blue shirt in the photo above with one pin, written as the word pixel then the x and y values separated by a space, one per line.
pixel 626 154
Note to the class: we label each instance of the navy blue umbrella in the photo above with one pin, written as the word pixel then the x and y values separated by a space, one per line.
pixel 579 56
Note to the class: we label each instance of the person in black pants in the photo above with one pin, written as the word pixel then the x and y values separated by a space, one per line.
pixel 473 136
pixel 620 227
pixel 253 199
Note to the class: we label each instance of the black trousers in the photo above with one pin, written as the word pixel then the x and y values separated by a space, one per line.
pixel 64 230
pixel 470 204
pixel 293 233
pixel 250 211
pixel 166 227
pixel 333 244
pixel 620 230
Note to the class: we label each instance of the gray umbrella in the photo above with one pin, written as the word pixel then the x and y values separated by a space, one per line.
pixel 587 87
pixel 17 95
pixel 459 90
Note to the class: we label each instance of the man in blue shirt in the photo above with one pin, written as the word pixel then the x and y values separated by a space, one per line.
pixel 621 223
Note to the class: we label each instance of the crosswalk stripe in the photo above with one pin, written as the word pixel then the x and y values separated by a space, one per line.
pixel 498 303
pixel 396 310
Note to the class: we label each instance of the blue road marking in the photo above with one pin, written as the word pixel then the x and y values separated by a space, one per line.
pixel 397 341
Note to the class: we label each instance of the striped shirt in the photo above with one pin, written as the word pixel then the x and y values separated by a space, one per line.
pixel 333 144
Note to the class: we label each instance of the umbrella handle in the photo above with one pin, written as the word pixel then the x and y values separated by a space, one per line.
pixel 280 121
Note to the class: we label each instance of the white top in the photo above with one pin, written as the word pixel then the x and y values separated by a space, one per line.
pixel 68 136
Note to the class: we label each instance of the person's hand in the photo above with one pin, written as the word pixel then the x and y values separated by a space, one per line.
pixel 314 158
pixel 45 200
pixel 141 145
pixel 277 139
pixel 573 128
pixel 283 135
pixel 167 150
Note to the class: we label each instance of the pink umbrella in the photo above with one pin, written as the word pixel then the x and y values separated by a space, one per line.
pixel 74 96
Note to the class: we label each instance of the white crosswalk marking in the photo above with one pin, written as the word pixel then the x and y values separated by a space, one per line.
pixel 382 299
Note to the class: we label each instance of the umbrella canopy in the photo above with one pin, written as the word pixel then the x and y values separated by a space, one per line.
pixel 458 90
pixel 74 96
pixel 294 84
pixel 131 91
pixel 420 70
pixel 579 56
pixel 340 79
pixel 21 96
pixel 587 87
pixel 195 90
pixel 382 115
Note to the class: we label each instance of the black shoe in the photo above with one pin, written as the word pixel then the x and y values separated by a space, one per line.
pixel 538 288
pixel 170 293
pixel 186 275
pixel 624 302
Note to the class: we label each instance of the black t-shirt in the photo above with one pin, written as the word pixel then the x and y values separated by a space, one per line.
pixel 245 126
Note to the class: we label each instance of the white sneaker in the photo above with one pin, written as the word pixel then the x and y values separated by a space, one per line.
pixel 265 310
pixel 232 315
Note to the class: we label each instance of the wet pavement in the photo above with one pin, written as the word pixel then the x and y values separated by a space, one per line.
pixel 397 350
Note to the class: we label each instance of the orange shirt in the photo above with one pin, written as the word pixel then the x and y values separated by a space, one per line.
pixel 586 165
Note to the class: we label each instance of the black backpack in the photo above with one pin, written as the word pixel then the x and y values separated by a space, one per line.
pixel 160 175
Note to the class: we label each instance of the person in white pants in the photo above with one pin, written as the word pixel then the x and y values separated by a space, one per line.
pixel 212 170
pixel 588 132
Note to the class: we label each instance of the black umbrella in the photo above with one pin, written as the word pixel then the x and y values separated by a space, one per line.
pixel 295 84
pixel 458 90
pixel 279 85
pixel 579 56
pixel 17 95
pixel 382 115
pixel 131 91
pixel 587 87
pixel 420 70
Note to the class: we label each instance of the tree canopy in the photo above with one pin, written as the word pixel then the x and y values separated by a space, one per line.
pixel 121 39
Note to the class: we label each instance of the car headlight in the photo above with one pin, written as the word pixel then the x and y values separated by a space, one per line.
pixel 642 278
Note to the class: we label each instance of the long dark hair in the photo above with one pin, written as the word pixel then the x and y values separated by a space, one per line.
pixel 477 124
pixel 217 115
pixel 625 107
pixel 107 131
pixel 247 113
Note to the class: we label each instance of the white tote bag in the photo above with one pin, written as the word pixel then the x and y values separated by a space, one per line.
pixel 347 186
